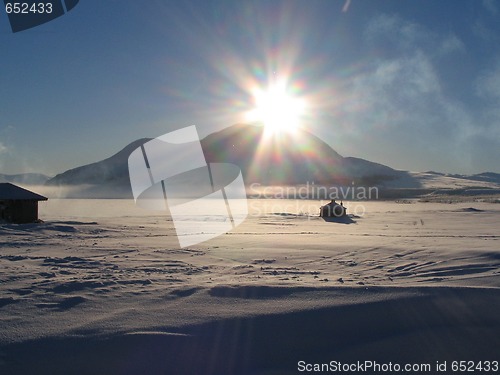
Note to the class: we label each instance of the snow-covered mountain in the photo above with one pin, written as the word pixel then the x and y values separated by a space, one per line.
pixel 288 158
pixel 282 159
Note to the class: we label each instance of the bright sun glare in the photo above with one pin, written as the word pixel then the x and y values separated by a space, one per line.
pixel 277 109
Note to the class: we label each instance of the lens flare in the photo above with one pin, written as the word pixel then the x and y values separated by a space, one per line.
pixel 276 108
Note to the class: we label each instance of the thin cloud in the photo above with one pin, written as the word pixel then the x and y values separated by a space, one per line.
pixel 346 6
pixel 394 32
pixel 488 89
pixel 488 84
pixel 490 6
pixel 452 44
pixel 482 30
pixel 399 111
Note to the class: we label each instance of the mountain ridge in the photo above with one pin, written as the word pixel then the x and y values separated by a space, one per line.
pixel 284 158
pixel 280 159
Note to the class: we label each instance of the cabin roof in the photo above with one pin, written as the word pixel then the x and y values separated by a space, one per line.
pixel 9 191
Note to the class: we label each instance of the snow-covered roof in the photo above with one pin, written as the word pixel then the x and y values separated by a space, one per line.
pixel 9 191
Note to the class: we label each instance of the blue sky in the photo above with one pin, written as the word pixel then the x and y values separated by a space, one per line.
pixel 411 84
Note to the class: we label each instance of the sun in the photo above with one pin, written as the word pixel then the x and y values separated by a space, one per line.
pixel 276 109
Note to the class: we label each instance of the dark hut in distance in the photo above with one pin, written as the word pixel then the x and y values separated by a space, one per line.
pixel 18 205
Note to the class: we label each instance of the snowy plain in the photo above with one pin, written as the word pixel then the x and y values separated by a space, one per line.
pixel 102 286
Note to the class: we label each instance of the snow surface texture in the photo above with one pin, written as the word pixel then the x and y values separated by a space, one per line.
pixel 102 287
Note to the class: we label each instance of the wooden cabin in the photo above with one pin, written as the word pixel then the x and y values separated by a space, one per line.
pixel 18 205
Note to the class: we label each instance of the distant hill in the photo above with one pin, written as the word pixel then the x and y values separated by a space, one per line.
pixel 283 159
pixel 25 178
pixel 107 178
pixel 484 177
pixel 288 158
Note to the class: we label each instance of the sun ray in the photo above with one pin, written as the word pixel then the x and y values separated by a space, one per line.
pixel 276 108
